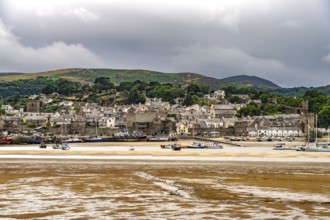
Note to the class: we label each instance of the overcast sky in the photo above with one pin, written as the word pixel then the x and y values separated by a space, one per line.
pixel 285 41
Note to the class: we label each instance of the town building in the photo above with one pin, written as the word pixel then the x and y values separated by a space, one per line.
pixel 33 105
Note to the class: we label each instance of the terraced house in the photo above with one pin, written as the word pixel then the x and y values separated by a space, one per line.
pixel 277 126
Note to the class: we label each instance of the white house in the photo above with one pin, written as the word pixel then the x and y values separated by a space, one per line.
pixel 7 108
pixel 108 122
pixel 66 103
pixel 219 94
pixel 277 125
pixel 279 132
pixel 214 123
pixel 46 100
pixel 111 122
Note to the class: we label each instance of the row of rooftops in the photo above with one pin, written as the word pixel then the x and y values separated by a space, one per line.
pixel 143 112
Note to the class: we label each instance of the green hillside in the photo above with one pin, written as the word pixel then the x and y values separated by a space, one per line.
pixel 121 75
pixel 117 75
pixel 250 80
pixel 8 80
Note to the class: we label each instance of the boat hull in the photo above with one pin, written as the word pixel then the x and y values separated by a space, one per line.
pixel 314 149
pixel 158 138
pixel 129 139
pixel 73 141
pixel 93 140
pixel 7 140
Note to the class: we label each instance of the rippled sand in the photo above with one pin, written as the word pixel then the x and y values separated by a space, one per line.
pixel 103 189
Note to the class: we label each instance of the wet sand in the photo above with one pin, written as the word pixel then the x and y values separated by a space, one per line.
pixel 107 181
pixel 104 189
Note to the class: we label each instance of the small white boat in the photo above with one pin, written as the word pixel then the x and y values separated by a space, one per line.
pixel 176 147
pixel 166 146
pixel 196 145
pixel 158 138
pixel 208 144
pixel 212 145
pixel 73 140
pixel 63 146
pixel 280 146
pixel 315 148
pixel 94 139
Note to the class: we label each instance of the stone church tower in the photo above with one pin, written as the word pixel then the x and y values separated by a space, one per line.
pixel 33 106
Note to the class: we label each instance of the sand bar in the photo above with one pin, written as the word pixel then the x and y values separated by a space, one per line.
pixel 152 151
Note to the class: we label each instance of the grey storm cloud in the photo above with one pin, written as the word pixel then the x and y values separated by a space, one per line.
pixel 287 42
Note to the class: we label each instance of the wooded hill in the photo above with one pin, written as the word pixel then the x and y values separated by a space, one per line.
pixel 183 79
pixel 121 75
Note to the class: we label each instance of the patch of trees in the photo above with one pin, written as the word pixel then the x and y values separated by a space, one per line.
pixel 166 92
pixel 319 104
pixel 60 86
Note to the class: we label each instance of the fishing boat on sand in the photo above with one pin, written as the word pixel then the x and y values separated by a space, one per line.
pixel 43 145
pixel 63 146
pixel 166 146
pixel 196 145
pixel 318 147
pixel 73 140
pixel 212 145
pixel 126 136
pixel 174 146
pixel 158 138
pixel 207 144
pixel 281 146
pixel 94 139
pixel 6 140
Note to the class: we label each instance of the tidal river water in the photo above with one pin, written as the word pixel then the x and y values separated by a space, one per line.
pixel 153 189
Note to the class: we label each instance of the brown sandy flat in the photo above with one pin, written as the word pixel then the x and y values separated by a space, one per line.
pixel 103 189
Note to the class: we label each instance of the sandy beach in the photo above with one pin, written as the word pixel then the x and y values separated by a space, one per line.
pixel 252 151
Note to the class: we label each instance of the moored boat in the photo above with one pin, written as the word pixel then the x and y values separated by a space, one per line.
pixel 158 138
pixel 280 146
pixel 73 140
pixel 212 145
pixel 126 136
pixel 62 146
pixel 173 146
pixel 207 144
pixel 6 140
pixel 196 145
pixel 176 147
pixel 35 139
pixel 94 139
pixel 318 147
pixel 166 146
pixel 43 145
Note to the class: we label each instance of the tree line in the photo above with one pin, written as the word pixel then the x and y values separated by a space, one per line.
pixel 17 92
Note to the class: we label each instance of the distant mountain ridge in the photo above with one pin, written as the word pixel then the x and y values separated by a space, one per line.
pixel 120 75
pixel 250 80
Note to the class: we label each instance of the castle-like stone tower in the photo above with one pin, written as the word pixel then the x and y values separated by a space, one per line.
pixel 33 106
